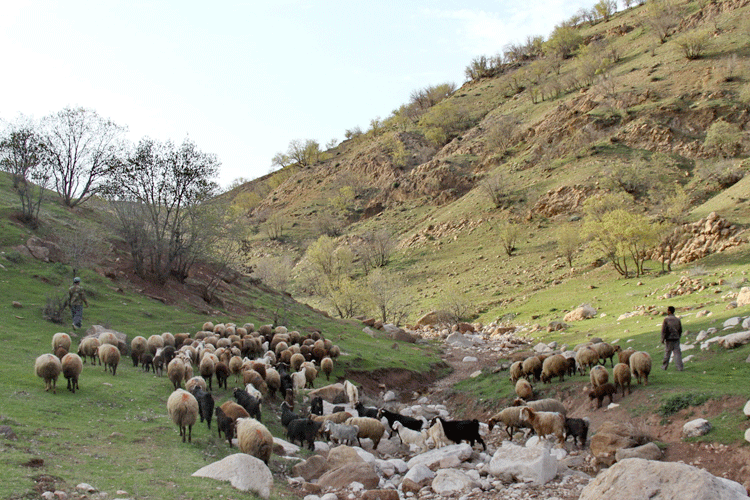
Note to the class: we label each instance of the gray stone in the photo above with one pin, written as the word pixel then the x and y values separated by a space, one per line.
pixel 347 474
pixel 433 458
pixel 746 409
pixel 639 478
pixel 732 322
pixel 451 481
pixel 734 340
pixel 743 298
pixel 649 451
pixel 459 339
pixel 695 428
pixel 702 335
pixel 389 396
pixel 513 463
pixel 244 472
pixel 469 359
pixel 421 475
pixel 746 324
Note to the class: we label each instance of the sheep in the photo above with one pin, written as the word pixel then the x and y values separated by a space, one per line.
pixel 462 430
pixel 222 374
pixel 547 404
pixel 153 343
pixel 158 362
pixel 260 367
pixel 341 433
pixel 532 367
pixel 72 366
pixel 299 380
pixel 176 372
pixel 352 393
pixel 601 391
pixel 137 347
pixel 511 417
pixel 524 389
pixel 605 351
pixel 183 410
pixel 326 365
pixel 235 367
pixel 598 375
pixel 248 402
pixel 303 429
pixel 296 362
pixel 516 371
pixel 411 437
pixel 110 356
pixel 147 362
pixel 89 347
pixel 336 417
pixel 205 403
pixel 436 433
pixel 578 428
pixel 408 422
pixel 366 411
pixel 207 368
pixel 273 382
pixel 48 368
pixel 287 415
pixel 254 439
pixel 250 389
pixel 624 356
pixel 368 428
pixel 553 366
pixel 224 424
pixel 621 376
pixel 586 357
pixel 545 422
pixel 233 411
pixel 61 339
pixel 640 365
pixel 195 382
pixel 311 373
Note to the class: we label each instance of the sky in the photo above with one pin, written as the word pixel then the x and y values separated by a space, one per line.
pixel 242 79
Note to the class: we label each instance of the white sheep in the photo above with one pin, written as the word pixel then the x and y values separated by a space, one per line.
pixel 250 389
pixel 299 380
pixel 368 428
pixel 48 368
pixel 545 422
pixel 183 410
pixel 352 393
pixel 176 372
pixel 436 433
pixel 254 439
pixel 195 382
pixel 60 339
pixel 341 433
pixel 411 437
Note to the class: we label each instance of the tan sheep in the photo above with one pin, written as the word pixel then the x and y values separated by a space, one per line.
pixel 89 346
pixel 544 423
pixel 311 373
pixel 61 339
pixel 599 376
pixel 606 351
pixel 554 366
pixel 176 372
pixel 621 376
pixel 524 389
pixel 532 367
pixel 511 417
pixel 586 357
pixel 183 410
pixel 296 361
pixel 273 381
pixel 110 356
pixel 337 418
pixel 624 356
pixel 153 343
pixel 547 404
pixel 109 338
pixel 368 428
pixel 195 382
pixel 168 339
pixel 48 368
pixel 207 368
pixel 516 371
pixel 72 366
pixel 326 366
pixel 640 365
pixel 137 347
pixel 254 439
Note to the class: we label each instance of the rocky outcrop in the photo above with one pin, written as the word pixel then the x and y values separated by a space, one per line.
pixel 694 241
pixel 639 478
pixel 562 200
pixel 613 436
pixel 580 313
pixel 244 472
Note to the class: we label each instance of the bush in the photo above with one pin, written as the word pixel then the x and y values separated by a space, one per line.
pixel 681 401
pixel 693 44
pixel 15 257
pixel 54 309
pixel 723 138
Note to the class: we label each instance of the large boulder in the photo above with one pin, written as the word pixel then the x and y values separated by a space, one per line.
pixel 360 472
pixel 695 428
pixel 457 338
pixel 450 481
pixel 746 409
pixel 333 393
pixel 639 478
pixel 417 478
pixel 613 436
pixel 649 451
pixel 342 455
pixel 244 472
pixel 454 453
pixel 513 463
pixel 734 339
pixel 580 313
pixel 429 319
pixel 743 298
pixel 310 469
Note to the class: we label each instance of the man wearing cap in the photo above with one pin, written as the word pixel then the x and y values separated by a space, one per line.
pixel 77 299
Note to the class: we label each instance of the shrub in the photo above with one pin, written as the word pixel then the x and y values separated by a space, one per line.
pixel 54 309
pixel 15 257
pixel 723 138
pixel 678 402
pixel 694 43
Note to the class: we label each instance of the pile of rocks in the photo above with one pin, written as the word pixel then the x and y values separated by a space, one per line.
pixel 691 242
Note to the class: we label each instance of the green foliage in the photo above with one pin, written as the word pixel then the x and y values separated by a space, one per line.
pixel 483 67
pixel 569 242
pixel 677 402
pixel 694 43
pixel 661 16
pixel 563 41
pixel 445 121
pixel 723 138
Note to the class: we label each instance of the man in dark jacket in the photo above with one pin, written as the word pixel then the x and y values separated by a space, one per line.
pixel 76 300
pixel 671 331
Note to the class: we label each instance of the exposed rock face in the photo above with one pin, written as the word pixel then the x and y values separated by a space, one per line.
pixel 563 200
pixel 243 471
pixel 694 241
pixel 639 478
pixel 613 436
pixel 360 472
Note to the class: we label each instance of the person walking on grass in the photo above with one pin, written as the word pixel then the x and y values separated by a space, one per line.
pixel 76 300
pixel 671 331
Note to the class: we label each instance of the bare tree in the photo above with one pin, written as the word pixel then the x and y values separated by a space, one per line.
pixel 80 247
pixel 496 189
pixel 386 296
pixel 375 249
pixel 80 146
pixel 508 233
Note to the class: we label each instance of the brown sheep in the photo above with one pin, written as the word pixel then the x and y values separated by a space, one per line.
pixel 110 356
pixel 176 372
pixel 516 371
pixel 547 404
pixel 72 366
pixel 48 368
pixel 207 367
pixel 273 381
pixel 624 356
pixel 532 367
pixel 61 339
pixel 326 365
pixel 544 423
pixel 183 410
pixel 640 365
pixel 599 376
pixel 621 376
pixel 606 351
pixel 585 358
pixel 89 347
pixel 554 366
pixel 296 361
pixel 137 347
pixel 524 389
pixel 254 439
pixel 600 392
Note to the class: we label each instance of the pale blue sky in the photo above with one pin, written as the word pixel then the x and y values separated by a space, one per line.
pixel 244 78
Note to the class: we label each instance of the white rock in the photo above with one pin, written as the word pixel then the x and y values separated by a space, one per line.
pixel 746 410
pixel 686 347
pixel 48 495
pixel 732 322
pixel 289 448
pixel 389 396
pixel 469 359
pixel 541 347
pixel 458 338
pixel 747 435
pixel 450 481
pixel 743 298
pixel 475 374
pixel 399 465
pixel 687 359
pixel 734 339
pixel 420 474
pixel 432 458
pixel 697 427
pixel 321 447
pixel 746 323
pixel 86 487
pixel 702 335
pixel 330 496
pixel 244 472
pixel 513 463
pixel 385 468
pixel 365 455
pixel 649 451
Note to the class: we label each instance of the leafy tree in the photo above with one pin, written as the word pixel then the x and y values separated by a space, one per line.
pixel 723 138
pixel 80 146
pixel 274 225
pixel 386 296
pixel 605 8
pixel 568 243
pixel 304 153
pixel 158 193
pixel 21 155
pixel 329 269
pixel 661 17
pixel 375 249
pixel 563 41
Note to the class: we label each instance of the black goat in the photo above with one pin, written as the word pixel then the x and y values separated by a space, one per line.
pixel 408 422
pixel 303 429
pixel 578 428
pixel 205 404
pixel 248 402
pixel 462 430
pixel 316 406
pixel 287 415
pixel 366 411
pixel 147 362
pixel 225 424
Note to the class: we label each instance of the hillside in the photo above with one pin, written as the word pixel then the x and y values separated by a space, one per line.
pixel 547 139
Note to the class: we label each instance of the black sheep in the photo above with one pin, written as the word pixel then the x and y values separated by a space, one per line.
pixel 462 430
pixel 303 429
pixel 285 381
pixel 147 362
pixel 366 411
pixel 205 404
pixel 287 415
pixel 222 374
pixel 316 406
pixel 408 422
pixel 578 428
pixel 168 353
pixel 225 424
pixel 248 402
